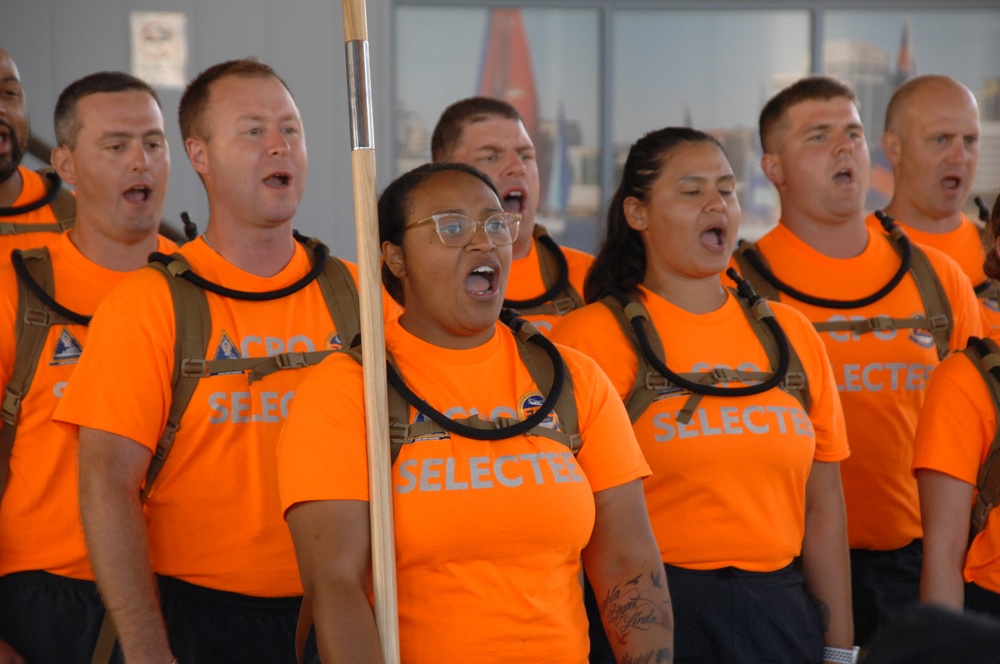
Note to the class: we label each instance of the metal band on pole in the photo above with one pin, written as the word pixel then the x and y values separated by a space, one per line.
pixel 359 94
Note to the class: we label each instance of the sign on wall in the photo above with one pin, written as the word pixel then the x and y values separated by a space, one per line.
pixel 159 48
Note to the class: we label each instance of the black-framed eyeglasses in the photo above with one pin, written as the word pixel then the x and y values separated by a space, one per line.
pixel 457 230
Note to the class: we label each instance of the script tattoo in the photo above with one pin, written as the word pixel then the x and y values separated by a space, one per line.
pixel 626 609
pixel 661 656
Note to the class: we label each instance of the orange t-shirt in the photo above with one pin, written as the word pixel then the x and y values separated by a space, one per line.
pixel 32 189
pixel 881 376
pixel 965 246
pixel 728 488
pixel 954 437
pixel 488 533
pixel 525 281
pixel 214 518
pixel 40 514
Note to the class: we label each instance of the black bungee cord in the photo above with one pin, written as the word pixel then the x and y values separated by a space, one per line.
pixel 17 259
pixel 510 319
pixel 321 253
pixel 559 286
pixel 50 195
pixel 744 290
pixel 888 223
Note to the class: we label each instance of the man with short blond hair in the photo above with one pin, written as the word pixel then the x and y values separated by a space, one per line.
pixel 204 569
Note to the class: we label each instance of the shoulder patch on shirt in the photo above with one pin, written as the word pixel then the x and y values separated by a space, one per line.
pixel 920 336
pixel 333 341
pixel 529 404
pixel 226 350
pixel 67 349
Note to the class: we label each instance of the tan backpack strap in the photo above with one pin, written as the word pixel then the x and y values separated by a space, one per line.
pixel 551 263
pixel 939 320
pixel 648 381
pixel 985 356
pixel 64 204
pixel 882 323
pixel 193 329
pixel 543 374
pixel 255 367
pixel 796 381
pixel 748 271
pixel 31 330
pixel 569 299
pixel 403 432
pixel 341 295
pixel 107 636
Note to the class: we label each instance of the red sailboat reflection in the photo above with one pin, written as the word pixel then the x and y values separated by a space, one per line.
pixel 506 68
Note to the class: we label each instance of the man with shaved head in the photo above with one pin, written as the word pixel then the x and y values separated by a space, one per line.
pixel 546 281
pixel 932 142
pixel 32 206
pixel 861 294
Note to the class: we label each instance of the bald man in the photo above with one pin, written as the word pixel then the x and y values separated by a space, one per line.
pixel 932 142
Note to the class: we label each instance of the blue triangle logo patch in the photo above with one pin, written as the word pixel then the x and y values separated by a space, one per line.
pixel 226 350
pixel 67 350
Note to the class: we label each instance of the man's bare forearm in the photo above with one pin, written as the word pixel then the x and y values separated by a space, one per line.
pixel 111 468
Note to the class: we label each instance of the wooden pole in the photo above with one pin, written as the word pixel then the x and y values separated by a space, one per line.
pixel 372 327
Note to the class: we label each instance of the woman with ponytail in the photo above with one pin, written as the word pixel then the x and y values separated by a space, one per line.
pixel 735 407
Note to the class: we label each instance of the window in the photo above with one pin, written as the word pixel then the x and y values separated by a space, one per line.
pixel 604 73
pixel 446 54
pixel 875 51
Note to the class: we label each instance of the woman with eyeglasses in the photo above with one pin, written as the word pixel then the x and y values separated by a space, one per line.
pixel 735 408
pixel 498 493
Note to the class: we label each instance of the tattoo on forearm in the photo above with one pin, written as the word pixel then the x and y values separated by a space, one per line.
pixel 661 656
pixel 630 607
